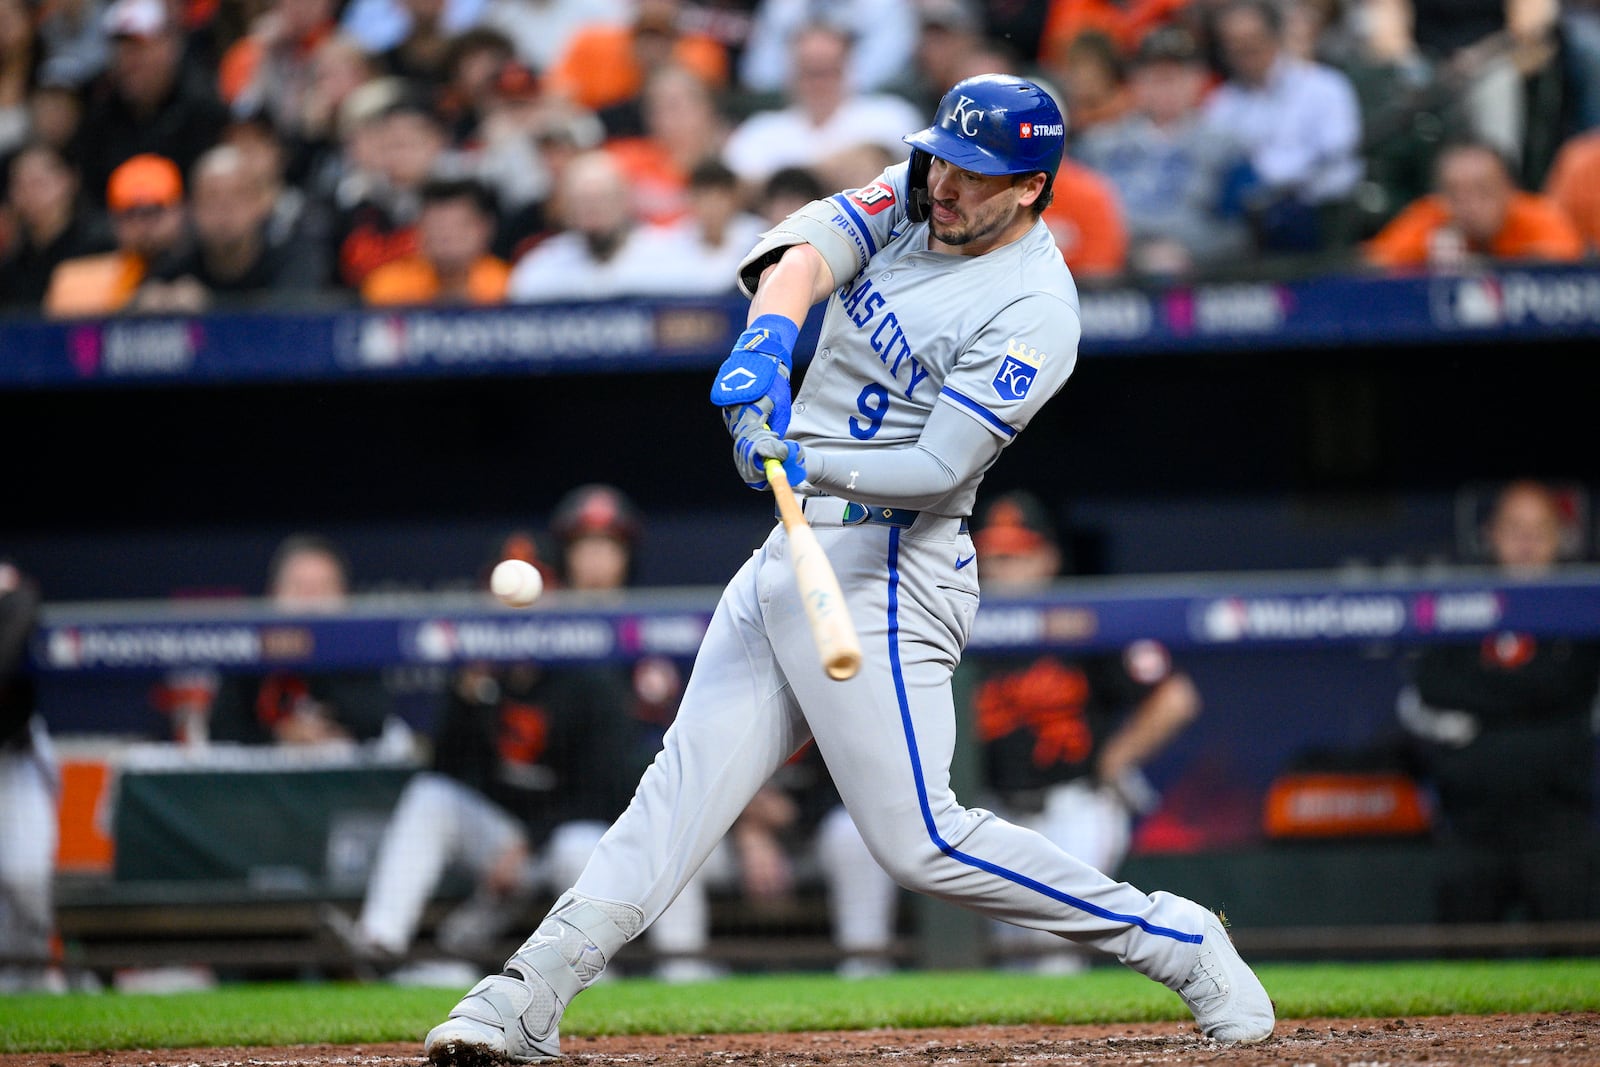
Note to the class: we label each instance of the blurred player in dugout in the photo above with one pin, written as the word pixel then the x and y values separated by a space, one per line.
pixel 1063 738
pixel 1506 726
pixel 308 573
pixel 29 786
pixel 530 764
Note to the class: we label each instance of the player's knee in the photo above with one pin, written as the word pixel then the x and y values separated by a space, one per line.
pixel 913 866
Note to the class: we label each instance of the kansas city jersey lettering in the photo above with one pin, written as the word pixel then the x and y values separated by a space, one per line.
pixel 863 304
pixel 1017 371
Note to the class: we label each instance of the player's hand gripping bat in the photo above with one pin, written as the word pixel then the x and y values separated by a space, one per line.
pixel 835 634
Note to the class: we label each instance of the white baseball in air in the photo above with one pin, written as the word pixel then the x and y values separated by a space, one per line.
pixel 516 582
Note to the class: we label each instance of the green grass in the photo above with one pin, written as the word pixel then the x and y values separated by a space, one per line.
pixel 347 1014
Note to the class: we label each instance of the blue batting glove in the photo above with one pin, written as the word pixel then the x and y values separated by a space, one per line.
pixel 758 369
pixel 752 449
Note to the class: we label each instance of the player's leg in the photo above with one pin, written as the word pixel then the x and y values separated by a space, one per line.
pixel 887 736
pixel 1084 820
pixel 862 898
pixel 27 858
pixel 680 934
pixel 437 821
pixel 736 725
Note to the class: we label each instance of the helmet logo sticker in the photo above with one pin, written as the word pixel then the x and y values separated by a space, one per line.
pixel 965 116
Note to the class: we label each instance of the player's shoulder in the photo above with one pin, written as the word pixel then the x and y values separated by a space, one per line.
pixel 1043 280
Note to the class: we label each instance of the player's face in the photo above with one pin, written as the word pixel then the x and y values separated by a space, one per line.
pixel 1525 534
pixel 970 214
pixel 597 562
pixel 310 581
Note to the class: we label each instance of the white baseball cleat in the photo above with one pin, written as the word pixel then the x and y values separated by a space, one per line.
pixel 488 1026
pixel 1228 1000
pixel 515 1016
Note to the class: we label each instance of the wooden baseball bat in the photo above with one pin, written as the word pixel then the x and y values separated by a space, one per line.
pixel 826 610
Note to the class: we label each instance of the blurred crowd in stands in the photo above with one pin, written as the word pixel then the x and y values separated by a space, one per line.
pixel 179 155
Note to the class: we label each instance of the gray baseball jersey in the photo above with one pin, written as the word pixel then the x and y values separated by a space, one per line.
pixel 915 345
pixel 992 336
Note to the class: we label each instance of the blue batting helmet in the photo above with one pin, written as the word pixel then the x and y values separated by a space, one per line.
pixel 989 124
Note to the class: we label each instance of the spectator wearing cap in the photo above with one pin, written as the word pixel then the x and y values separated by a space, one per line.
pixel 453 263
pixel 1180 185
pixel 1063 738
pixel 145 201
pixel 1475 214
pixel 604 66
pixel 148 101
pixel 233 259
pixel 597 527
pixel 1300 122
pixel 52 224
pixel 884 33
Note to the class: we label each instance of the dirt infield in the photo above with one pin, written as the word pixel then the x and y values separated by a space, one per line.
pixel 1565 1039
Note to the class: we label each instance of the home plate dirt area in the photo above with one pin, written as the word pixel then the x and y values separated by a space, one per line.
pixel 1564 1039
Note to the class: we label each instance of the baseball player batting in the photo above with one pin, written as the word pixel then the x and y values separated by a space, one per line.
pixel 951 321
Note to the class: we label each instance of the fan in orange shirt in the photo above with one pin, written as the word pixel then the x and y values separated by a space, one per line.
pixel 606 65
pixel 452 264
pixel 1574 183
pixel 682 127
pixel 1476 212
pixel 148 220
pixel 1086 219
pixel 1124 21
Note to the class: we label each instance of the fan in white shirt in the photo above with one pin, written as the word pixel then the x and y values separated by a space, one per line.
pixel 823 117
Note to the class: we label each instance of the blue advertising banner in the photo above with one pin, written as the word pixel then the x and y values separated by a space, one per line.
pixel 601 336
pixel 1235 614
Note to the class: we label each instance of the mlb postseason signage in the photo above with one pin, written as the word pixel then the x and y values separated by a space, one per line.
pixel 1184 612
pixel 521 339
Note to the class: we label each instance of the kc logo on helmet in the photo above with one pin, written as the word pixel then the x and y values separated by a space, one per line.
pixel 965 116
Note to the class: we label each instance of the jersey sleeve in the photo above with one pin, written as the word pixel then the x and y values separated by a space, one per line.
pixel 847 228
pixel 1015 364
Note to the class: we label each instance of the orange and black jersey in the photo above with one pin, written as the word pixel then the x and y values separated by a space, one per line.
pixel 1040 720
pixel 548 746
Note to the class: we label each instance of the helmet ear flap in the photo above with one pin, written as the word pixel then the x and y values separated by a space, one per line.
pixel 917 207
